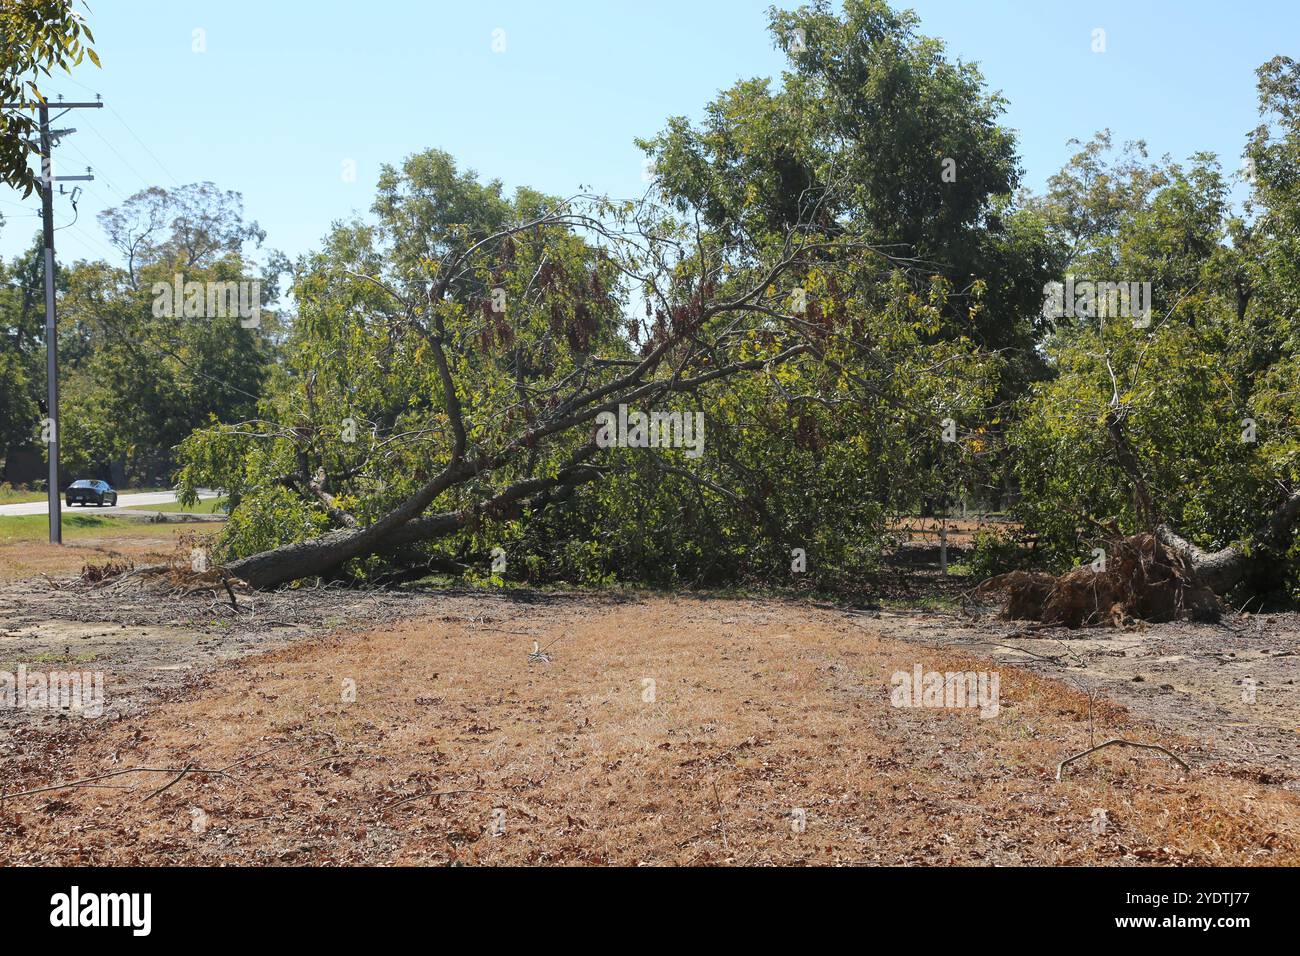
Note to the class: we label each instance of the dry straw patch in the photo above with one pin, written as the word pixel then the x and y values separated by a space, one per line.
pixel 130 544
pixel 760 710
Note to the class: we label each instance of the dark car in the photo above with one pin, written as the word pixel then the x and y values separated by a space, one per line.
pixel 88 492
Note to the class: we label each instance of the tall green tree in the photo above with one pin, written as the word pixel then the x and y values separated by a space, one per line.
pixel 22 362
pixel 1185 425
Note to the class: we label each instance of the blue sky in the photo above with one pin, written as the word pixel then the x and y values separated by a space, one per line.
pixel 288 90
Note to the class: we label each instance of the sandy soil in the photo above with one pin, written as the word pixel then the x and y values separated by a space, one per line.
pixel 151 646
pixel 1232 686
pixel 660 731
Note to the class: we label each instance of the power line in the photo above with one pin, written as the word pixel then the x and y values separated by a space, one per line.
pixel 121 119
pixel 55 526
pixel 124 160
pixel 90 192
pixel 102 177
pixel 146 148
pixel 87 237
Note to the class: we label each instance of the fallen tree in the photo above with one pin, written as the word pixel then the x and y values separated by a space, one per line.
pixel 713 319
pixel 1133 441
pixel 1155 575
pixel 1221 571
pixel 473 339
pixel 1217 572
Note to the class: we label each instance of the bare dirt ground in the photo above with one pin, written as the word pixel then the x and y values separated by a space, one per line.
pixel 1231 685
pixel 413 728
pixel 151 646
pixel 960 532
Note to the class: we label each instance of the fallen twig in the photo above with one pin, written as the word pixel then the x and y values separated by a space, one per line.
pixel 231 591
pixel 262 753
pixel 167 786
pixel 722 820
pixel 1119 741
pixel 73 784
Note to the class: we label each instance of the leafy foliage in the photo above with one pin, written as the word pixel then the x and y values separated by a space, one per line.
pixel 836 269
pixel 1205 397
pixel 36 38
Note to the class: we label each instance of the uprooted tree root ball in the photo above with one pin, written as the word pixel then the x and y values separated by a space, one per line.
pixel 1141 581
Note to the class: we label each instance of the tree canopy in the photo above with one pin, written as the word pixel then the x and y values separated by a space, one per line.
pixel 837 273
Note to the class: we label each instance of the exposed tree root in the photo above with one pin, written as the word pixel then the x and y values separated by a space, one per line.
pixel 1141 581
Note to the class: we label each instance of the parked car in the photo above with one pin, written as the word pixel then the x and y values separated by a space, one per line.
pixel 89 491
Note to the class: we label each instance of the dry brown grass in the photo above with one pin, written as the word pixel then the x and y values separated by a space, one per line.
pixel 94 540
pixel 760 708
pixel 142 544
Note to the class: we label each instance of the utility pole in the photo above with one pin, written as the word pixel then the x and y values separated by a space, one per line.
pixel 48 179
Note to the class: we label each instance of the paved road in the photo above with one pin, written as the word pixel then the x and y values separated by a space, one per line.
pixel 123 500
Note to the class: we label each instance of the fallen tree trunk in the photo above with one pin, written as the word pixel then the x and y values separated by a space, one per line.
pixel 1222 570
pixel 1217 572
pixel 316 556
pixel 327 552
